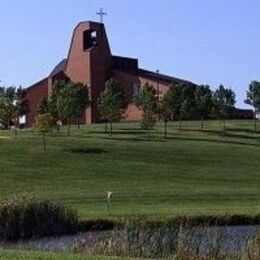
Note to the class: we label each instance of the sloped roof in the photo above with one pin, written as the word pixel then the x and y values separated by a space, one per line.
pixel 163 77
pixel 59 68
pixel 141 72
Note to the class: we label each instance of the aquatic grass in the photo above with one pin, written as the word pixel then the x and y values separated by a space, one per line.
pixel 26 216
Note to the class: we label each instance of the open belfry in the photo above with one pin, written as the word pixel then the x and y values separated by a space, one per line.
pixel 91 62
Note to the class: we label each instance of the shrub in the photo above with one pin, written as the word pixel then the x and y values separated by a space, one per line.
pixel 27 216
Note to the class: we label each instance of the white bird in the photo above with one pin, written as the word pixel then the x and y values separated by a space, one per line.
pixel 109 195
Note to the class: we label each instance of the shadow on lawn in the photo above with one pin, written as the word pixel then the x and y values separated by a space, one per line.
pixel 121 132
pixel 136 139
pixel 211 141
pixel 88 150
pixel 250 131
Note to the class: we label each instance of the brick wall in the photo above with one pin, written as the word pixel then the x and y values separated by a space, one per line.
pixel 35 94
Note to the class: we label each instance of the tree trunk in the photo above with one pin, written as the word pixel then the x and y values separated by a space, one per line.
pixel 180 123
pixel 202 124
pixel 255 122
pixel 106 127
pixel 68 130
pixel 148 133
pixel 224 125
pixel 165 129
pixel 44 142
pixel 78 123
pixel 110 128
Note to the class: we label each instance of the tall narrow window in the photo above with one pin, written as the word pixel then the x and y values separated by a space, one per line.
pixel 89 39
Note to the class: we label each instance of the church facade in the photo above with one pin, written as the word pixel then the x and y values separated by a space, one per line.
pixel 91 62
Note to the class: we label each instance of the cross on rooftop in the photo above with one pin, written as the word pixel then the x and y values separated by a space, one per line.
pixel 101 13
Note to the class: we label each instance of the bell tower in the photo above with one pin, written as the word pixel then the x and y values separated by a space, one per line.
pixel 89 62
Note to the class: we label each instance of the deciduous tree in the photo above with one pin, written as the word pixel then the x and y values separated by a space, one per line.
pixel 165 110
pixel 72 100
pixel 13 105
pixel 224 100
pixel 43 124
pixel 253 98
pixel 203 102
pixel 182 101
pixel 111 103
pixel 148 102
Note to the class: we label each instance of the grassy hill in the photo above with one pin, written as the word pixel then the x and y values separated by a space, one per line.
pixel 192 172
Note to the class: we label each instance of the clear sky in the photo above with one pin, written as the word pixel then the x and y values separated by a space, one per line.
pixel 204 41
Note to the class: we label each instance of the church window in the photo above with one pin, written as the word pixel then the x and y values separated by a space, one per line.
pixel 89 39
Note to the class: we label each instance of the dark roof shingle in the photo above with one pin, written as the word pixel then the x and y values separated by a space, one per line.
pixel 59 68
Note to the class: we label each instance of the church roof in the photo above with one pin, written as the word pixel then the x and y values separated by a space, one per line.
pixel 118 63
pixel 163 77
pixel 59 68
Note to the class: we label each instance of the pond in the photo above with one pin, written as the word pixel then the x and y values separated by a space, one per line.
pixel 228 240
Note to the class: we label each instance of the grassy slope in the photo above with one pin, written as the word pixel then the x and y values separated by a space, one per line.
pixel 192 172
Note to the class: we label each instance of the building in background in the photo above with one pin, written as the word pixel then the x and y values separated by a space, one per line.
pixel 91 62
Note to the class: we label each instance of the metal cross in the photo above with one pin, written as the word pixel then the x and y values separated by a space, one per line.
pixel 101 13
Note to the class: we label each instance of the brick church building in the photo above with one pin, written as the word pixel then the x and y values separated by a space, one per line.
pixel 90 62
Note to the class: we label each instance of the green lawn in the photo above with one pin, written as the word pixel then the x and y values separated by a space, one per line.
pixel 191 172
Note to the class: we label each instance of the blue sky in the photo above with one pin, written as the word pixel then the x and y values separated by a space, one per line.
pixel 204 41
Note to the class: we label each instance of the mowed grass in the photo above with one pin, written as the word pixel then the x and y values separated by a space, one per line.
pixel 192 172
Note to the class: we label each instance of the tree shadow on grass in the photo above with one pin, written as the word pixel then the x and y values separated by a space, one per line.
pixel 250 131
pixel 135 139
pixel 212 141
pixel 227 133
pixel 121 132
pixel 87 150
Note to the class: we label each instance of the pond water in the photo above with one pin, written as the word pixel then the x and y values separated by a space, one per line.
pixel 232 239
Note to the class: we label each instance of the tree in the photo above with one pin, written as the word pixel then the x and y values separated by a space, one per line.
pixel 182 101
pixel 165 110
pixel 148 102
pixel 8 106
pixel 111 103
pixel 203 102
pixel 43 125
pixel 43 107
pixel 72 100
pixel 20 105
pixel 13 105
pixel 224 100
pixel 253 98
